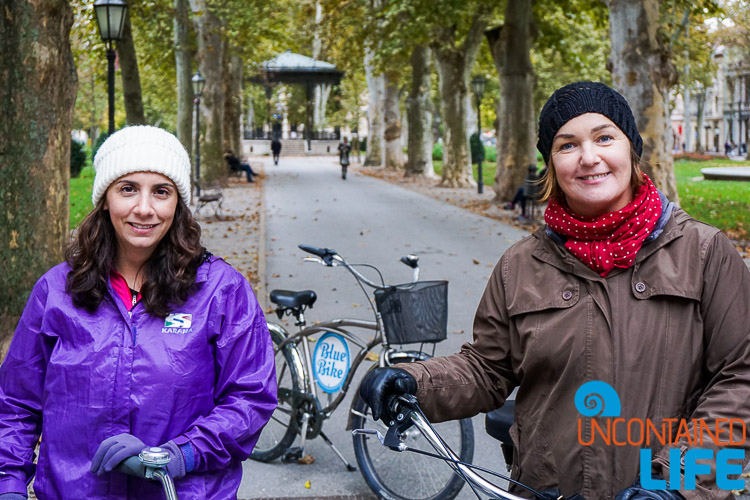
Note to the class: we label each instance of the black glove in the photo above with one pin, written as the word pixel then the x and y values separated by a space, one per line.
pixel 637 492
pixel 555 494
pixel 380 385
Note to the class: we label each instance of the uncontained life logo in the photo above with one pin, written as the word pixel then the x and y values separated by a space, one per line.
pixel 599 401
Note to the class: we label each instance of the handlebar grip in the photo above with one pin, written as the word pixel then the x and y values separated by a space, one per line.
pixel 320 252
pixel 324 253
pixel 132 466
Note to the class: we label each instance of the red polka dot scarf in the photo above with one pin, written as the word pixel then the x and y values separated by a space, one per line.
pixel 610 240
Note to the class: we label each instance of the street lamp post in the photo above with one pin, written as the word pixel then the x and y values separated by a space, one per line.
pixel 110 15
pixel 198 82
pixel 477 85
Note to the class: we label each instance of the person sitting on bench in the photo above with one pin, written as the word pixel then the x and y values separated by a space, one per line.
pixel 235 165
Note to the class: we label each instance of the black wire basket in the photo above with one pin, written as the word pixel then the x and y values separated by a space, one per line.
pixel 414 312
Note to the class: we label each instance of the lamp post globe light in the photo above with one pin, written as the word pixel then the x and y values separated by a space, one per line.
pixel 110 16
pixel 198 82
pixel 477 85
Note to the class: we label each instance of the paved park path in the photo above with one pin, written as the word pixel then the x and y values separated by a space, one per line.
pixel 372 221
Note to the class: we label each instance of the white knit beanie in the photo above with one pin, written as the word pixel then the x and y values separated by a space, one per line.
pixel 141 148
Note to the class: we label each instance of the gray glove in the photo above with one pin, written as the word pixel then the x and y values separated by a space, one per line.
pixel 381 385
pixel 114 450
pixel 176 466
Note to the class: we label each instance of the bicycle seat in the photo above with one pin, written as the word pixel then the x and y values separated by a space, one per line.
pixel 497 422
pixel 289 298
pixel 410 260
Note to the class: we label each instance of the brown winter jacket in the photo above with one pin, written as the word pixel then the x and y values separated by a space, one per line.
pixel 671 335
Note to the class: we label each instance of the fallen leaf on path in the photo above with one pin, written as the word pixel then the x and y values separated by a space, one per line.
pixel 307 460
pixel 475 261
pixel 372 356
pixel 459 331
pixel 307 484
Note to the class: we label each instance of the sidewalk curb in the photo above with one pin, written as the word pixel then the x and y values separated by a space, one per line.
pixel 262 293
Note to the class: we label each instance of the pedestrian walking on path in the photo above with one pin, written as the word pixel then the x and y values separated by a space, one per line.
pixel 276 149
pixel 621 288
pixel 140 338
pixel 344 150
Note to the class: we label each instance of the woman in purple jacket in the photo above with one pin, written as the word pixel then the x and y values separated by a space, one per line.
pixel 140 338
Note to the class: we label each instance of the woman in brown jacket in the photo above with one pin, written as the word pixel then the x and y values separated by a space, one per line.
pixel 621 287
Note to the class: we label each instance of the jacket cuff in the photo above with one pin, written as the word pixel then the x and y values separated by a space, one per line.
pixel 13 485
pixel 189 453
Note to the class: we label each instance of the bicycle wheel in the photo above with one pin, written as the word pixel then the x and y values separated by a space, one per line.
pixel 406 475
pixel 279 433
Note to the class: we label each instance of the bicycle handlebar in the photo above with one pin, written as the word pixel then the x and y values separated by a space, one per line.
pixel 407 412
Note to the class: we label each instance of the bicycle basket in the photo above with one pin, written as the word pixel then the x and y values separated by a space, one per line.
pixel 414 312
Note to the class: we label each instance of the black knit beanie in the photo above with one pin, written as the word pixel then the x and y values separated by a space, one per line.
pixel 585 97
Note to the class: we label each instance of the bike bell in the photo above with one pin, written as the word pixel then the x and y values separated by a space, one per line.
pixel 154 457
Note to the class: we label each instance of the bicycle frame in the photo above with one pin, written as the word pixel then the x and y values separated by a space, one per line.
pixel 335 326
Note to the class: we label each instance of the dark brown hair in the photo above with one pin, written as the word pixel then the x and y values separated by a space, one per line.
pixel 170 271
pixel 551 189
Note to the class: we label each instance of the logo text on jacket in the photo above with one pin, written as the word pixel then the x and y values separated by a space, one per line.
pixel 178 323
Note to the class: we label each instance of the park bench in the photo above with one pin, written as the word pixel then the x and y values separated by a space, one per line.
pixel 533 191
pixel 209 194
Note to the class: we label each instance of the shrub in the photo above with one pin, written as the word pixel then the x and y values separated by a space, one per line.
pixel 490 154
pixel 437 151
pixel 77 158
pixel 363 144
pixel 99 141
pixel 477 151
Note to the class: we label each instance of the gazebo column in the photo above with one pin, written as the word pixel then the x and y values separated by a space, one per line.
pixel 308 113
pixel 268 109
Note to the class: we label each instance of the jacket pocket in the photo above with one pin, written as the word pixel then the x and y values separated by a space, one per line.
pixel 533 461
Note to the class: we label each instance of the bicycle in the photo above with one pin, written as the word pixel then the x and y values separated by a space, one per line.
pixel 409 418
pixel 411 313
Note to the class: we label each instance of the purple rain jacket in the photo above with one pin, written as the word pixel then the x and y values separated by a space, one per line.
pixel 203 376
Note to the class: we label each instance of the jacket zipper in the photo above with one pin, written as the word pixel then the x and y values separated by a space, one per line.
pixel 132 326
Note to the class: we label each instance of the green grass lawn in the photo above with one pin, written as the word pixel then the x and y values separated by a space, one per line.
pixel 724 204
pixel 80 196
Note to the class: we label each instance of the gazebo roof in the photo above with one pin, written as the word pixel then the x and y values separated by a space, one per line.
pixel 289 67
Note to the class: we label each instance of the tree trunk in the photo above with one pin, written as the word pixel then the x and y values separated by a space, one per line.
pixel 419 160
pixel 183 65
pixel 643 73
pixel 687 126
pixel 511 49
pixel 454 61
pixel 394 154
pixel 376 91
pixel 322 91
pixel 453 89
pixel 210 57
pixel 37 94
pixel 232 103
pixel 700 102
pixel 131 79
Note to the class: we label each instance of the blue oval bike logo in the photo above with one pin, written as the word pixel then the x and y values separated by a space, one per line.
pixel 331 362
